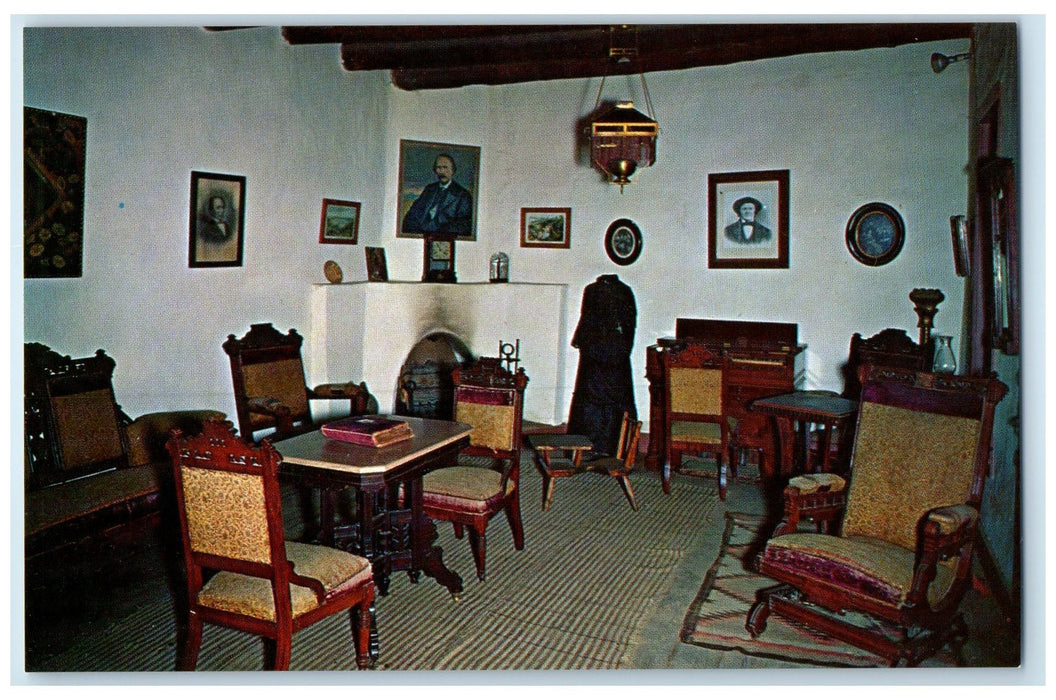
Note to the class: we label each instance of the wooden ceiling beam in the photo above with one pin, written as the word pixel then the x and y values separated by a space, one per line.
pixel 436 57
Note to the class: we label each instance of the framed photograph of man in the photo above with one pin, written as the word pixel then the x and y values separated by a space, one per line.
pixel 217 219
pixel 438 190
pixel 748 219
pixel 546 227
pixel 339 222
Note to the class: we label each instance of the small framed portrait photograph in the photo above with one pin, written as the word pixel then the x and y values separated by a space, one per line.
pixel 339 222
pixel 217 219
pixel 377 269
pixel 748 219
pixel 546 227
pixel 438 190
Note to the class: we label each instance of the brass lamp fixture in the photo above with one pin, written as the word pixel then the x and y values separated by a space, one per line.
pixel 940 61
pixel 622 139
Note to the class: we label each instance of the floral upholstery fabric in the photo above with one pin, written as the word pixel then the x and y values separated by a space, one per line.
pixel 812 483
pixel 282 380
pixel 337 570
pixel 871 567
pixel 470 489
pixel 695 390
pixel 226 514
pixel 905 464
pixel 492 424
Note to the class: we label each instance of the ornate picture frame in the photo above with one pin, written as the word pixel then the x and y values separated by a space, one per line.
pixel 732 243
pixel 623 241
pixel 426 203
pixel 339 222
pixel 546 227
pixel 217 220
pixel 875 234
pixel 961 251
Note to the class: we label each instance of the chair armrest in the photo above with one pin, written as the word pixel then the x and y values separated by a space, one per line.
pixel 945 532
pixel 358 394
pixel 148 433
pixel 950 520
pixel 268 406
pixel 819 498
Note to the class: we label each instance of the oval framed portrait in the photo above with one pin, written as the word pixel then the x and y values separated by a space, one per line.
pixel 875 234
pixel 623 241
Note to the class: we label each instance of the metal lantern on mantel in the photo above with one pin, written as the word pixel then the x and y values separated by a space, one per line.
pixel 622 140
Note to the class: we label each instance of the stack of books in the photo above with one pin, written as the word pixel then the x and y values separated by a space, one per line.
pixel 372 431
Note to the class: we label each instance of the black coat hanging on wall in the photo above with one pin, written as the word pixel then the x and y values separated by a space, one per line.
pixel 604 387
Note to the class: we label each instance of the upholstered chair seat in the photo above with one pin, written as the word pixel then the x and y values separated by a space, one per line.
pixel 468 488
pixel 335 569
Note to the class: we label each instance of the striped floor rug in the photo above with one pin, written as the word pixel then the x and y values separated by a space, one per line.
pixel 588 582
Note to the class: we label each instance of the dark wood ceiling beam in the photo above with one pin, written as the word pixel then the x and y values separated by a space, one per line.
pixel 399 33
pixel 434 57
pixel 734 47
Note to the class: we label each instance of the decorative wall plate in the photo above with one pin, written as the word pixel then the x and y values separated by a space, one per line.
pixel 333 272
pixel 875 234
pixel 623 241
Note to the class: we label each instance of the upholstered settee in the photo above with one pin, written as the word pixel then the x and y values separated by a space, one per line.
pixel 89 469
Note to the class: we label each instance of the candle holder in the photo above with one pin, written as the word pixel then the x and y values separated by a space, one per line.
pixel 926 302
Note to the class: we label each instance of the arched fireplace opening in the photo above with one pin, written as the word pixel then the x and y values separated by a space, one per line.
pixel 425 388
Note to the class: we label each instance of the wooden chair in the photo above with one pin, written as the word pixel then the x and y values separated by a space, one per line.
pixel 694 420
pixel 267 374
pixel 561 455
pixel 491 399
pixel 270 390
pixel 91 471
pixel 230 510
pixel 906 524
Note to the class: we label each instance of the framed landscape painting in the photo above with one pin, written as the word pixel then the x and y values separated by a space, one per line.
pixel 339 222
pixel 546 227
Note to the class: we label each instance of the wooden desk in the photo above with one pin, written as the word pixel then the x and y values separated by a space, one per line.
pixel 806 407
pixel 390 527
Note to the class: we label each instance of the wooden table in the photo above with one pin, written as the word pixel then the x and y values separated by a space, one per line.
pixel 807 407
pixel 390 527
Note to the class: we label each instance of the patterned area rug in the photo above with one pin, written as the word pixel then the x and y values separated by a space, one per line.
pixel 717 615
pixel 591 577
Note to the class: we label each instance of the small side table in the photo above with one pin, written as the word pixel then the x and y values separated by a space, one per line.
pixel 828 410
pixel 562 455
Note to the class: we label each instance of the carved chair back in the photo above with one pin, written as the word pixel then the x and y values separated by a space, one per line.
pixel 266 365
pixel 73 425
pixel 491 399
pixel 891 347
pixel 693 375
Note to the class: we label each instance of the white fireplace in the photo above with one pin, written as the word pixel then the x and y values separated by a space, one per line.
pixel 363 331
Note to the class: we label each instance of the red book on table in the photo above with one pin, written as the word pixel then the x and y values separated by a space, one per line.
pixel 372 431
